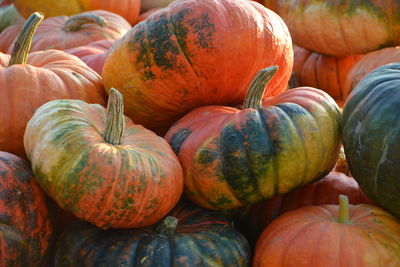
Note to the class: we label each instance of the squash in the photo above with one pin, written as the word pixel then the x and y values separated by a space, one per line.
pixel 100 166
pixel 371 133
pixel 195 53
pixel 28 81
pixel 9 16
pixel 331 236
pixel 26 228
pixel 188 236
pixel 232 157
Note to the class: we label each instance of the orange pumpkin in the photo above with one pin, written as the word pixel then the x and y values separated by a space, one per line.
pixel 28 81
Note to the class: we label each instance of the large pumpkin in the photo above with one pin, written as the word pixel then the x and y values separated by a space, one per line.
pixel 26 233
pixel 371 133
pixel 195 53
pixel 64 32
pixel 129 9
pixel 100 166
pixel 28 81
pixel 232 157
pixel 331 236
pixel 187 237
pixel 342 28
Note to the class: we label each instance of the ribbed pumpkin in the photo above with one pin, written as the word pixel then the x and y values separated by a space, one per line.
pixel 368 63
pixel 26 229
pixel 187 237
pixel 28 81
pixel 371 133
pixel 331 236
pixel 64 32
pixel 342 28
pixel 100 166
pixel 129 9
pixel 327 73
pixel 323 192
pixel 233 157
pixel 93 54
pixel 195 53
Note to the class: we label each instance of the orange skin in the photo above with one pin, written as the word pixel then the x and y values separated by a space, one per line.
pixel 209 56
pixel 128 9
pixel 312 237
pixel 50 33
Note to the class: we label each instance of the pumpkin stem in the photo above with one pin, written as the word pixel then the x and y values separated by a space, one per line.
pixel 115 124
pixel 22 45
pixel 167 226
pixel 344 209
pixel 257 86
pixel 75 23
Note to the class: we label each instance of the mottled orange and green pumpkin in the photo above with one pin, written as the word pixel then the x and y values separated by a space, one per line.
pixel 232 157
pixel 100 166
pixel 26 233
pixel 195 53
pixel 189 237
pixel 342 28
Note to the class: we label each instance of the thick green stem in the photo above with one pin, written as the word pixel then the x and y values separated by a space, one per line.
pixel 167 226
pixel 115 124
pixel 23 43
pixel 76 22
pixel 344 210
pixel 256 89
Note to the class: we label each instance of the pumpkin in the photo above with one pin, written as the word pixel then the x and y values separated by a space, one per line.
pixel 370 62
pixel 189 236
pixel 326 191
pixel 98 165
pixel 93 54
pixel 26 228
pixel 342 28
pixel 147 14
pixel 68 32
pixel 195 53
pixel 9 16
pixel 28 81
pixel 371 133
pixel 324 72
pixel 232 157
pixel 330 236
pixel 146 5
pixel 128 9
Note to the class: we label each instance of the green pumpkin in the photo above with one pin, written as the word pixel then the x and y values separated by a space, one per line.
pixel 371 135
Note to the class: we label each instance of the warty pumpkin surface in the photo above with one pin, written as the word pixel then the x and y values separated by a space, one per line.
pixel 232 157
pixel 98 165
pixel 195 53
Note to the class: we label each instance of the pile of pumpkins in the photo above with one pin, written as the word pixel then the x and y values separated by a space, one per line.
pixel 199 133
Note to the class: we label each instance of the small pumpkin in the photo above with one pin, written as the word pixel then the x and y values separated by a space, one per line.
pixel 188 236
pixel 331 236
pixel 64 32
pixel 100 166
pixel 232 157
pixel 195 53
pixel 29 80
pixel 26 228
pixel 371 133
pixel 9 16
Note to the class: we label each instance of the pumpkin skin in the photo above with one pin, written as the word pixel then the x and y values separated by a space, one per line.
pixel 342 28
pixel 133 183
pixel 62 32
pixel 27 230
pixel 128 9
pixel 195 53
pixel 327 73
pixel 370 62
pixel 312 236
pixel 93 54
pixel 371 131
pixel 46 76
pixel 201 238
pixel 233 157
